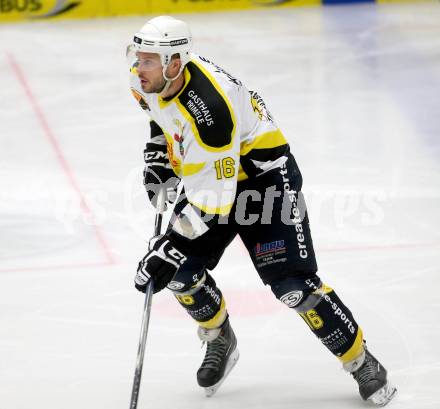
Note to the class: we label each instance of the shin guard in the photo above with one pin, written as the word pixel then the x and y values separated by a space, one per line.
pixel 204 301
pixel 332 322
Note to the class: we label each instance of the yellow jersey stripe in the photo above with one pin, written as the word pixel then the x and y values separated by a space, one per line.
pixel 223 210
pixel 268 140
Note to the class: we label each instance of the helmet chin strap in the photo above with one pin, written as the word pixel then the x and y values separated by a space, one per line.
pixel 165 87
pixel 168 81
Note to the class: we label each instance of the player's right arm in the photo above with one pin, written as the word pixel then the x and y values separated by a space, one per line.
pixel 208 161
pixel 209 172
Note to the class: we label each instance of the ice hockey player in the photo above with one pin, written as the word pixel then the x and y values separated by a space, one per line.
pixel 216 137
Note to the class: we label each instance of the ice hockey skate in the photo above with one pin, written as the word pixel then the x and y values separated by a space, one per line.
pixel 371 377
pixel 221 356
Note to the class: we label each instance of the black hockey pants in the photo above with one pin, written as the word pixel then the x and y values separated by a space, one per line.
pixel 273 226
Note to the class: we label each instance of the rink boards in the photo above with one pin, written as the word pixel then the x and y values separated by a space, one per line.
pixel 16 10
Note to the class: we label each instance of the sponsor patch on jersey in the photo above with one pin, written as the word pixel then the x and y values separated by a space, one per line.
pixel 179 140
pixel 178 137
pixel 292 299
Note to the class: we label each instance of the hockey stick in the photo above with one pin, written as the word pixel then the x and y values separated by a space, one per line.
pixel 147 309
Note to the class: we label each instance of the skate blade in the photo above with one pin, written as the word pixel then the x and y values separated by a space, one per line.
pixel 211 390
pixel 384 395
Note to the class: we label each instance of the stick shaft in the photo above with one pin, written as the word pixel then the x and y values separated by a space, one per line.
pixel 146 314
pixel 141 347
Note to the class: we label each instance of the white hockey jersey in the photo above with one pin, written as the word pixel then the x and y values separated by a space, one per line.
pixel 217 132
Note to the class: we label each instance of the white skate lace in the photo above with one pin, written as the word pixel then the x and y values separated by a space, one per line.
pixel 215 352
pixel 367 371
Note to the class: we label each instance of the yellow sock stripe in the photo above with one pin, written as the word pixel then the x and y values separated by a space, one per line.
pixel 217 320
pixel 355 350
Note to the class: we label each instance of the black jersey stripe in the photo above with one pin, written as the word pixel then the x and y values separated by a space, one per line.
pixel 207 107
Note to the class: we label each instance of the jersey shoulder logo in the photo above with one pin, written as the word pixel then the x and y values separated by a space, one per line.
pixel 259 107
pixel 140 99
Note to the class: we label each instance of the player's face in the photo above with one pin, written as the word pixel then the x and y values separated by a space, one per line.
pixel 150 72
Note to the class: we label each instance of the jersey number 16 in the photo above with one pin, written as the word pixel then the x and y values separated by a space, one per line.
pixel 225 168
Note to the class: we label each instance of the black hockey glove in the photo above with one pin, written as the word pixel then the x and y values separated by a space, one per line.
pixel 160 264
pixel 158 173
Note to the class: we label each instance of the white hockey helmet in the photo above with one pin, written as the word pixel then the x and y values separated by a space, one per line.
pixel 166 36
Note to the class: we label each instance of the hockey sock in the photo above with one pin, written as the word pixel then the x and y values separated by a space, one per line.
pixel 204 302
pixel 332 322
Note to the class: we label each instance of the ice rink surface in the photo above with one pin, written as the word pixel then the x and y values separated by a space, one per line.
pixel 356 89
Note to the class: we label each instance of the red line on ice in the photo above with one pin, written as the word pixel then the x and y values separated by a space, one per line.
pixel 59 154
pixel 49 268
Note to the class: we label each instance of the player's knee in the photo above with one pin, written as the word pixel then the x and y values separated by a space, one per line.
pixel 190 274
pixel 298 293
pixel 187 283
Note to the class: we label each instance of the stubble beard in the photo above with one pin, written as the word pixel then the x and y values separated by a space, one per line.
pixel 154 88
